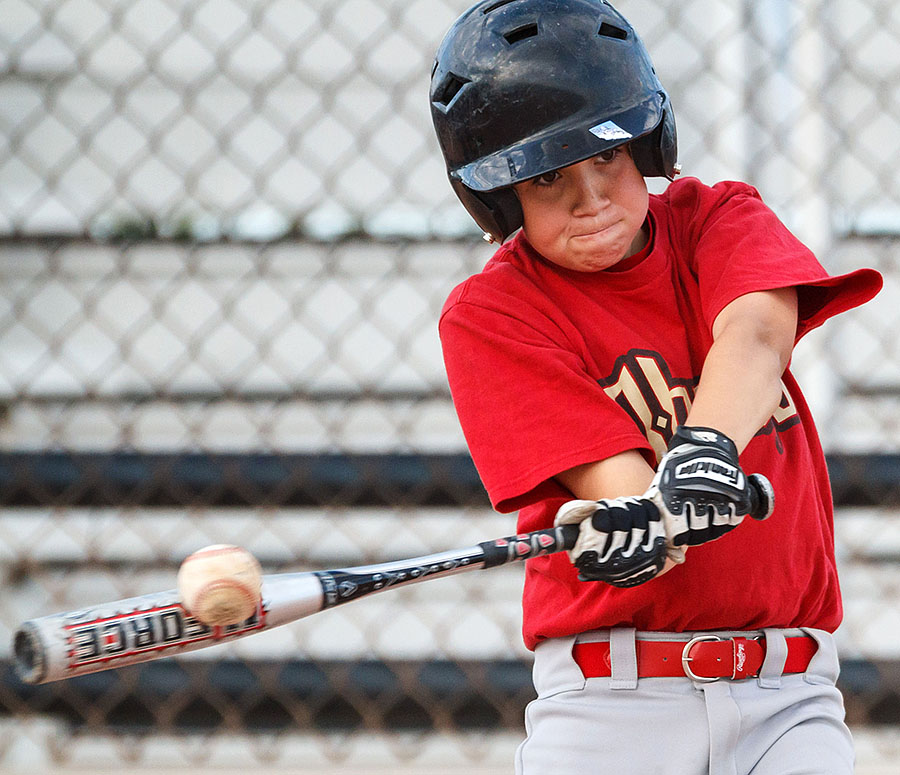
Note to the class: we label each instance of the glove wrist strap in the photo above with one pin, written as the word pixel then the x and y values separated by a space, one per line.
pixel 697 434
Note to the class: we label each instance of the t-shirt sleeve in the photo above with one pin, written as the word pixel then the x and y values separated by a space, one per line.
pixel 527 405
pixel 740 246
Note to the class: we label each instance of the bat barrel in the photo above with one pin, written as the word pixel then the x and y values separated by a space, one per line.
pixel 138 629
pixel 114 634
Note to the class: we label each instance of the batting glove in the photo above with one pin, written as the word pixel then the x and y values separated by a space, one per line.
pixel 621 541
pixel 701 491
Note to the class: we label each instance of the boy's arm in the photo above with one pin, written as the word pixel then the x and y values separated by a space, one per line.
pixel 620 475
pixel 740 388
pixel 740 385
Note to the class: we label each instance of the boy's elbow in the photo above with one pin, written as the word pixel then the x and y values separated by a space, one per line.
pixel 765 321
pixel 776 339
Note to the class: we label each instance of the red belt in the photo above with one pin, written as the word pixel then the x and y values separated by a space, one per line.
pixel 703 658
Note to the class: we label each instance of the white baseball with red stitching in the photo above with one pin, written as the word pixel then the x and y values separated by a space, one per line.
pixel 220 584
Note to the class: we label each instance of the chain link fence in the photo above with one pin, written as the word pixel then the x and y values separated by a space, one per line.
pixel 225 237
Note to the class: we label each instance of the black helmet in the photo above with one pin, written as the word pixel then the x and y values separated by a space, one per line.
pixel 523 87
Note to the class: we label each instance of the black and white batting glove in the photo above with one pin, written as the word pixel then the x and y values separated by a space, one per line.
pixel 701 491
pixel 621 541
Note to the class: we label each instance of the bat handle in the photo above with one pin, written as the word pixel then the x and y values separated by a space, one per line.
pixel 526 545
pixel 570 535
pixel 563 537
pixel 762 497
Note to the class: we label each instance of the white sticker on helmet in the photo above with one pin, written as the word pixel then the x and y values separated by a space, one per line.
pixel 609 130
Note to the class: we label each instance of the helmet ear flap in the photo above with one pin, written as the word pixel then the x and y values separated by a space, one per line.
pixel 497 213
pixel 656 154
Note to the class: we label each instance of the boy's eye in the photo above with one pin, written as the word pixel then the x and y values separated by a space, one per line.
pixel 609 154
pixel 547 178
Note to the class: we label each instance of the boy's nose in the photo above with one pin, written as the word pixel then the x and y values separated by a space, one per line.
pixel 590 194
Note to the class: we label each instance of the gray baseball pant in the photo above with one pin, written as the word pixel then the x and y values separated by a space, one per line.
pixel 791 724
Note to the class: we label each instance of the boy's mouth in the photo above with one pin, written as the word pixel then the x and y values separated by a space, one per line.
pixel 595 232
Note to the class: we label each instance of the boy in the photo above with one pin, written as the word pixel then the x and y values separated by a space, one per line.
pixel 608 366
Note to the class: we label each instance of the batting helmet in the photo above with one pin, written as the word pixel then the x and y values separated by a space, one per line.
pixel 523 87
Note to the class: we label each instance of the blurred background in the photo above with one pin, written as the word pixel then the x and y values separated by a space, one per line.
pixel 225 238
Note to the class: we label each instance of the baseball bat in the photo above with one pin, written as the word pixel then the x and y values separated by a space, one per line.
pixel 139 629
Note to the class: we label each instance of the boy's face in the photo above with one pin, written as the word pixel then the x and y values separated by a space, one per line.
pixel 588 216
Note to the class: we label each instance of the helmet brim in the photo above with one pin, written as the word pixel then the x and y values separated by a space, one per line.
pixel 581 137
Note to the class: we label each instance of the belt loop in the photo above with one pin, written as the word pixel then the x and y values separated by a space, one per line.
pixel 724 719
pixel 776 655
pixel 554 669
pixel 623 658
pixel 824 666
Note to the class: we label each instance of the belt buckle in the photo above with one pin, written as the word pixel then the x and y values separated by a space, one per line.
pixel 686 658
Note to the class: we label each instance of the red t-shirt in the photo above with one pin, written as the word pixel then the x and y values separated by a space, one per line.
pixel 551 368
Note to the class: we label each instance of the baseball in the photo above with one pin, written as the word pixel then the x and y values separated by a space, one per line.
pixel 220 584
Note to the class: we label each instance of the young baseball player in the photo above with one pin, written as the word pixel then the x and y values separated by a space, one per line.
pixel 621 363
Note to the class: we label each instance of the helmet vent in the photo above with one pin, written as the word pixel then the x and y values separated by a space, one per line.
pixel 521 33
pixel 611 31
pixel 448 89
pixel 495 6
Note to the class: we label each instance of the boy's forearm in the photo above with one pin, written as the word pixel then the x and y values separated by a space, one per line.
pixel 620 475
pixel 740 386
